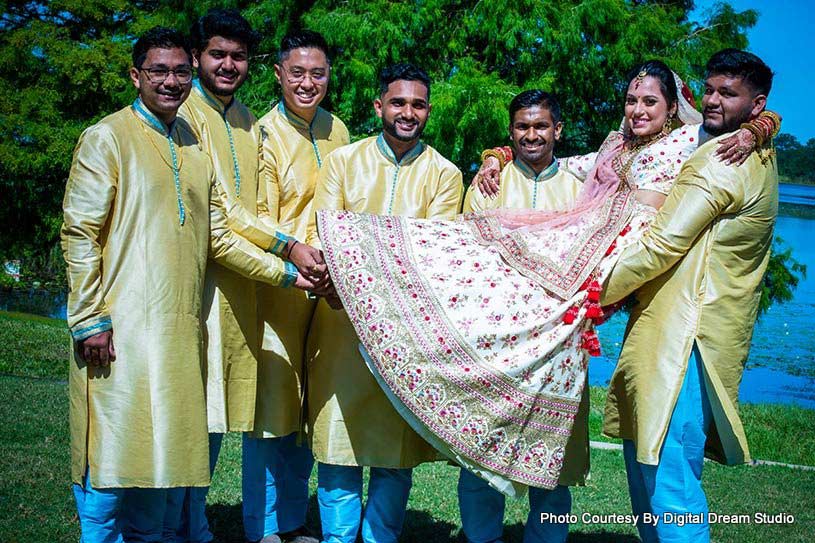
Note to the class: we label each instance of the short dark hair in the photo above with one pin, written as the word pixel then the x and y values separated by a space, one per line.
pixel 738 63
pixel 302 38
pixel 661 71
pixel 159 37
pixel 226 23
pixel 402 71
pixel 534 97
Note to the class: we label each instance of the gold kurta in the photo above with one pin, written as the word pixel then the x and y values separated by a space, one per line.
pixel 291 156
pixel 350 420
pixel 229 134
pixel 699 272
pixel 521 188
pixel 135 269
pixel 553 188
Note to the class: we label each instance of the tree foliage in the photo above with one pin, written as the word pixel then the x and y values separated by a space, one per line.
pixel 796 161
pixel 63 66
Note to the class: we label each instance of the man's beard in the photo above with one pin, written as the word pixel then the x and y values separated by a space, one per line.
pixel 390 128
pixel 209 83
pixel 729 124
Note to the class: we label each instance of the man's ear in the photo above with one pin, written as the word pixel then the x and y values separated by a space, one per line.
pixel 759 103
pixel 196 54
pixel 134 77
pixel 558 130
pixel 378 107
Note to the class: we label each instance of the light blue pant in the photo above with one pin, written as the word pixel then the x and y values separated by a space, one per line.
pixel 339 493
pixel 482 512
pixel 675 484
pixel 114 515
pixel 185 519
pixel 275 485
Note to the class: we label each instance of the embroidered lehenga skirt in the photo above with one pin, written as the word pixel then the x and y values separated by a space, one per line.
pixel 480 335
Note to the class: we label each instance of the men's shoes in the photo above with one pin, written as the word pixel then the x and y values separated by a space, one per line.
pixel 300 535
pixel 274 538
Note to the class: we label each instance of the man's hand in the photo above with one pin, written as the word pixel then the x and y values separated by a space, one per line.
pixel 736 148
pixel 309 261
pixel 97 350
pixel 488 177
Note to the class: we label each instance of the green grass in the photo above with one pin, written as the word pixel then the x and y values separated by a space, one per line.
pixel 782 433
pixel 32 346
pixel 37 505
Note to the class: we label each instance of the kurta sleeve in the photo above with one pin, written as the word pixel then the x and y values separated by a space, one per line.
pixel 447 200
pixel 269 193
pixel 475 200
pixel 327 195
pixel 89 197
pixel 698 197
pixel 240 255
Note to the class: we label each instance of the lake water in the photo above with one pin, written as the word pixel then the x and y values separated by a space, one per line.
pixel 781 366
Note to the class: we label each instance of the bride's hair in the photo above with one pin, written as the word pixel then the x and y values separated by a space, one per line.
pixel 659 70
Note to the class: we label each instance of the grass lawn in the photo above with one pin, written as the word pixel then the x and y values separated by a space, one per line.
pixel 37 505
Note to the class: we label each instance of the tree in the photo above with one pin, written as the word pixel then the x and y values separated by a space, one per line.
pixel 63 65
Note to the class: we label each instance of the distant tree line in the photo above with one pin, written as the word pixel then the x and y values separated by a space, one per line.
pixel 796 161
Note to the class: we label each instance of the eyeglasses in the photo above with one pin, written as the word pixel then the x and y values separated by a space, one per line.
pixel 297 75
pixel 160 75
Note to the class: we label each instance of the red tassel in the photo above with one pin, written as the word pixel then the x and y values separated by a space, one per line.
pixel 570 315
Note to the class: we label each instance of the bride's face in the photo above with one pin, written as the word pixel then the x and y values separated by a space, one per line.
pixel 646 108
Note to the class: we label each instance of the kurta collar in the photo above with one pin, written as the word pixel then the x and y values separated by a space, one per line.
pixel 294 118
pixel 149 118
pixel 211 99
pixel 704 136
pixel 388 153
pixel 528 172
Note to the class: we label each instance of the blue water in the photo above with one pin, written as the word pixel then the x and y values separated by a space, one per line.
pixel 781 365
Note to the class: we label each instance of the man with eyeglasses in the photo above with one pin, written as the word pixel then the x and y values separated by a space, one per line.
pixel 296 136
pixel 222 42
pixel 141 215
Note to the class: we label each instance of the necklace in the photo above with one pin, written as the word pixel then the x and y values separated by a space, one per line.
pixel 631 148
pixel 175 165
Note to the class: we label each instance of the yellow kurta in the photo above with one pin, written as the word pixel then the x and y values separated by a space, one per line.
pixel 229 134
pixel 350 420
pixel 133 268
pixel 291 156
pixel 553 188
pixel 521 188
pixel 699 272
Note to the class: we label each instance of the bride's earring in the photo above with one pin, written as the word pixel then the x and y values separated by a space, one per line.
pixel 668 126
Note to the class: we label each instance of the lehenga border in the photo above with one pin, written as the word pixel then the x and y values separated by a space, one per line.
pixel 562 279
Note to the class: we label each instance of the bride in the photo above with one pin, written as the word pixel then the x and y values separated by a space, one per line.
pixel 480 330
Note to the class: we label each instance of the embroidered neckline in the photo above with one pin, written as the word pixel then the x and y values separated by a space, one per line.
pixel 167 131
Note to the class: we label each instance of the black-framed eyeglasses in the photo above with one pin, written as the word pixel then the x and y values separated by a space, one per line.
pixel 160 75
pixel 298 75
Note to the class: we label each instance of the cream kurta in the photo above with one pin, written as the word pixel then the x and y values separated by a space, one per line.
pixel 351 421
pixel 229 134
pixel 553 188
pixel 699 272
pixel 521 188
pixel 133 268
pixel 291 156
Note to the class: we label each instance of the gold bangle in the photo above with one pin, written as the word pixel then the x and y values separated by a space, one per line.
pixel 493 153
pixel 775 118
pixel 755 132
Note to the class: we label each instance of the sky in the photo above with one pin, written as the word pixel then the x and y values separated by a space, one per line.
pixel 784 38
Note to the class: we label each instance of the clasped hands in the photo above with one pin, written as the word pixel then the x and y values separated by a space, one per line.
pixel 313 272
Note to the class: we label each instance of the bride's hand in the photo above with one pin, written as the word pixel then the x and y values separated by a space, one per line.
pixel 488 177
pixel 736 148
